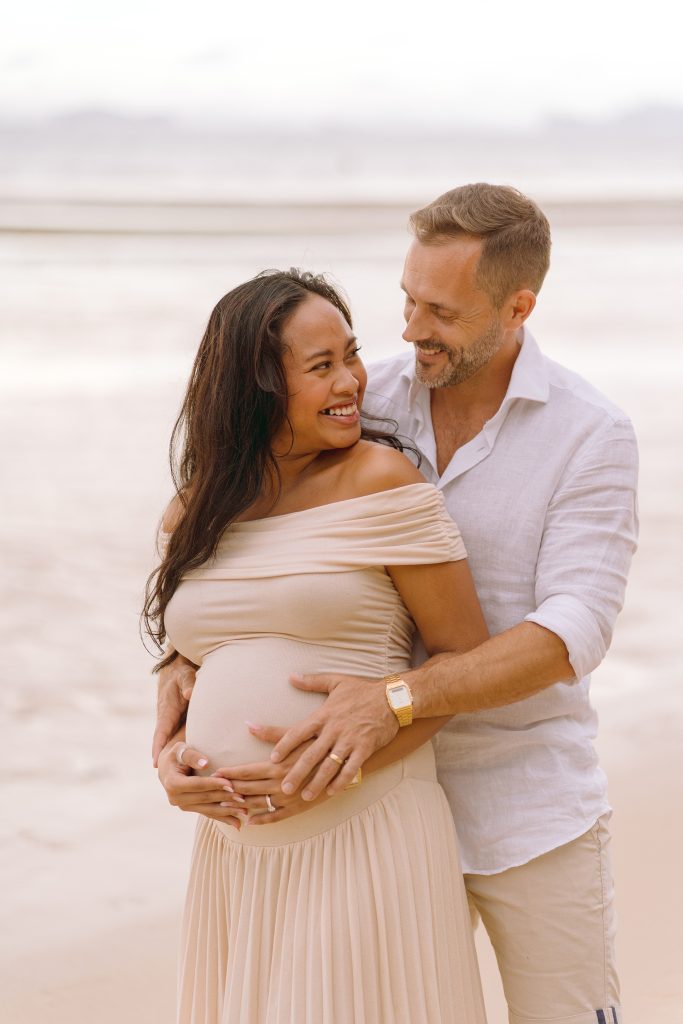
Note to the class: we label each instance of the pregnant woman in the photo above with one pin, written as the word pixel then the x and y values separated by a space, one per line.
pixel 297 542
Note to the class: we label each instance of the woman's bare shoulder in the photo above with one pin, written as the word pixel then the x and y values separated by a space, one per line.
pixel 174 513
pixel 376 467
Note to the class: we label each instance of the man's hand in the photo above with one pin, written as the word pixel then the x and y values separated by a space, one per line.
pixel 174 689
pixel 215 798
pixel 353 723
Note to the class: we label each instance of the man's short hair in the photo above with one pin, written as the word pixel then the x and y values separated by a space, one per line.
pixel 515 232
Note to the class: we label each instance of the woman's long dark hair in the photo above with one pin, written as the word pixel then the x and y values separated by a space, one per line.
pixel 235 403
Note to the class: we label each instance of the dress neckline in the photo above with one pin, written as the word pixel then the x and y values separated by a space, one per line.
pixel 328 504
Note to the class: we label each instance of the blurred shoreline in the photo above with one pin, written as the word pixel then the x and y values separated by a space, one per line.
pixel 119 216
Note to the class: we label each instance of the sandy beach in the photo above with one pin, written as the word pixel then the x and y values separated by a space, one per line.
pixel 98 336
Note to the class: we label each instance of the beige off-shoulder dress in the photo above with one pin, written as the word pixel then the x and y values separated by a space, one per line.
pixel 353 912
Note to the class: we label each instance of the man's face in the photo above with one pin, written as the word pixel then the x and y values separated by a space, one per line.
pixel 449 319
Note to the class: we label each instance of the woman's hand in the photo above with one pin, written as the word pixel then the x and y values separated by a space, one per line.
pixel 254 782
pixel 201 795
pixel 255 810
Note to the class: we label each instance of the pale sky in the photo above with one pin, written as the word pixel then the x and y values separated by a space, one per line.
pixel 476 63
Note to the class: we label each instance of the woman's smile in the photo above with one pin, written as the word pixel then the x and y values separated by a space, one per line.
pixel 343 412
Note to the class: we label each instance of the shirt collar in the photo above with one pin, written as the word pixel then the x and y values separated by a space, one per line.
pixel 530 373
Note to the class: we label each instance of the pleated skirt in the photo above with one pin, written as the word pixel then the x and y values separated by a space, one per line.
pixel 354 912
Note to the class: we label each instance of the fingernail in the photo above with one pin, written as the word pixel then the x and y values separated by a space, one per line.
pixel 287 787
pixel 252 725
pixel 275 757
pixel 307 795
pixel 239 799
pixel 296 675
pixel 226 804
pixel 202 762
pixel 228 788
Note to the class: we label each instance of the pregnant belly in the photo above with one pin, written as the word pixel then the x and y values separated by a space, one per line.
pixel 247 680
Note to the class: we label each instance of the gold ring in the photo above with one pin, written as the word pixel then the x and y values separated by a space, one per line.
pixel 335 757
pixel 356 780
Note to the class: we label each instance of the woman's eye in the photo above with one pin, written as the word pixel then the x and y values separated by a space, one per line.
pixel 354 352
pixel 322 366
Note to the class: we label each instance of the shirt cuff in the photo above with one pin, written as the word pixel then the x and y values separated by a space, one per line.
pixel 575 624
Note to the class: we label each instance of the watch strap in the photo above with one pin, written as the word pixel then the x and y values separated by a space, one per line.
pixel 404 715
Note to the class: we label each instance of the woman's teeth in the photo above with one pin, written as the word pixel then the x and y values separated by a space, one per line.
pixel 341 410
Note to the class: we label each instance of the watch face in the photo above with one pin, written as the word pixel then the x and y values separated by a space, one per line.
pixel 399 696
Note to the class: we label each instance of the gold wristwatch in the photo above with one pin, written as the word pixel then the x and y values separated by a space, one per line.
pixel 400 699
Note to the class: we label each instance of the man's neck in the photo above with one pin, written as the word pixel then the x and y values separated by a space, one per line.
pixel 460 412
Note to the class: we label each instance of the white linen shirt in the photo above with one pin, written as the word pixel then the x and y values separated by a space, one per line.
pixel 545 498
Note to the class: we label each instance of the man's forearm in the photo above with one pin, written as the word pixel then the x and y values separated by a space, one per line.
pixel 504 669
pixel 406 742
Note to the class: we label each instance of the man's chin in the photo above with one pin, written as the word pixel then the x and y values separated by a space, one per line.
pixel 433 376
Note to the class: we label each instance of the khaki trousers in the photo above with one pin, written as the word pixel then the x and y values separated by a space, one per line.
pixel 551 923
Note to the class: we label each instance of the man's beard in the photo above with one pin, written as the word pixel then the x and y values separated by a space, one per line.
pixel 462 363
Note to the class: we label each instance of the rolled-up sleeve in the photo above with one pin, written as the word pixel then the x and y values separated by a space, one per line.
pixel 588 542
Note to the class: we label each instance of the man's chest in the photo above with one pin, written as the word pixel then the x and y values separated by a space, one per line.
pixel 452 433
pixel 500 494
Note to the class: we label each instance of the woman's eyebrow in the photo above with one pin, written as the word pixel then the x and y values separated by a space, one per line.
pixel 328 351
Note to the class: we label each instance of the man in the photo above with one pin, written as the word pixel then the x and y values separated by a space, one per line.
pixel 539 471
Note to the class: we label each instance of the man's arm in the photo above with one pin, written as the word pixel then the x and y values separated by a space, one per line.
pixel 174 689
pixel 509 667
pixel 588 541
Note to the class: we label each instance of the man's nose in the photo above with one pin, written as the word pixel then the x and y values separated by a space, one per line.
pixel 415 328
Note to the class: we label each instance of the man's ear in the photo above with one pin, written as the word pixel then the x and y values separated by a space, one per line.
pixel 517 308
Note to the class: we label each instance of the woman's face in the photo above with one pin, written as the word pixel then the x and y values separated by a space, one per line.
pixel 325 380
